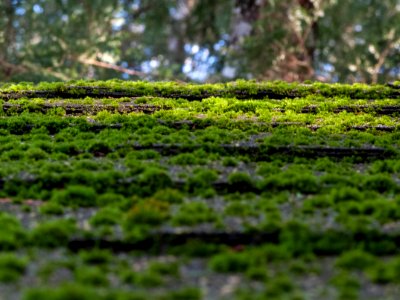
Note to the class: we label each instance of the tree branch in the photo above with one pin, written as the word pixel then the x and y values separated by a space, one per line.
pixel 102 64
pixel 381 61
pixel 10 69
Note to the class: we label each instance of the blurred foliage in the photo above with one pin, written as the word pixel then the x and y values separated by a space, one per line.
pixel 201 40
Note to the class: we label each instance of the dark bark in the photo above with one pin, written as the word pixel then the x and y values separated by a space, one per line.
pixel 82 109
pixel 8 48
pixel 76 92
pixel 160 241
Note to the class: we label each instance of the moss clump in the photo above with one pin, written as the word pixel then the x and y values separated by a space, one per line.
pixel 171 196
pixel 230 262
pixel 53 234
pixel 292 181
pixel 75 195
pixel 297 238
pixel 148 279
pixel 385 272
pixel 258 273
pixel 279 286
pixel 381 183
pixel 147 212
pixel 12 267
pixel 356 260
pixel 12 235
pixel 36 154
pixel 165 268
pixel 68 148
pixel 99 148
pixel 153 179
pixel 65 292
pixel 187 293
pixel 110 199
pixel 106 216
pixel 193 213
pixel 230 161
pixel 240 182
pixel 184 159
pixel 91 276
pixel 201 181
pixel 347 285
pixel 316 203
pixel 240 209
pixel 96 256
pixel 345 194
pixel 52 208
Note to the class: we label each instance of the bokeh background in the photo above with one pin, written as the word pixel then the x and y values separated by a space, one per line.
pixel 200 40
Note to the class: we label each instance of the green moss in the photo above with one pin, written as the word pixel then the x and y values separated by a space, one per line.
pixel 65 292
pixel 36 154
pixel 356 260
pixel 99 148
pixel 96 256
pixel 230 161
pixel 258 273
pixel 317 202
pixel 381 274
pixel 184 159
pixel 153 179
pixel 346 194
pixel 300 267
pixel 347 285
pixel 164 268
pixel 75 195
pixel 145 154
pixel 230 262
pixel 148 279
pixel 193 213
pixel 91 276
pixel 202 180
pixel 13 155
pixel 266 169
pixel 186 293
pixel 171 196
pixel 109 199
pixel 240 209
pixel 51 208
pixel 240 182
pixel 147 212
pixel 128 276
pixel 52 234
pixel 106 216
pixel 292 181
pixel 297 238
pixel 240 88
pixel 278 184
pixel 12 235
pixel 381 183
pixel 12 267
pixel 279 286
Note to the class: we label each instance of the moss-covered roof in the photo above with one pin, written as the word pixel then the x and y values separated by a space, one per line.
pixel 134 189
pixel 239 89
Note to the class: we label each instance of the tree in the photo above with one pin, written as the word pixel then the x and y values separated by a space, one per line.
pixel 330 40
pixel 360 41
